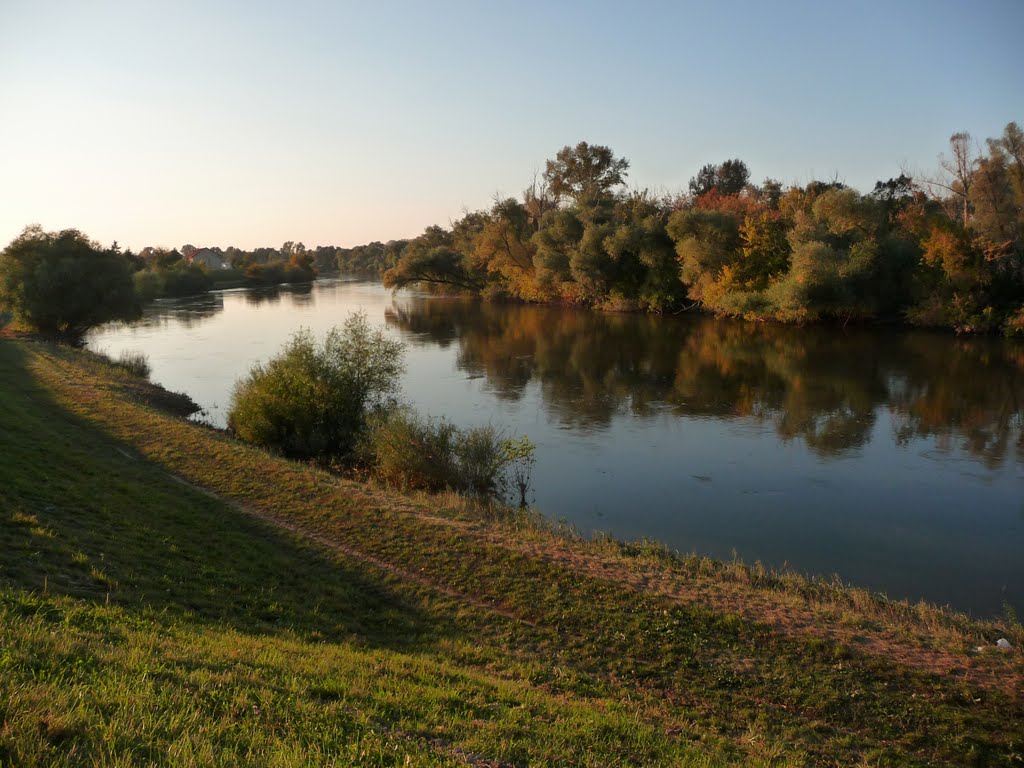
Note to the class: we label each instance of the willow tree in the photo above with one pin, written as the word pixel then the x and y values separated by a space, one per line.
pixel 436 257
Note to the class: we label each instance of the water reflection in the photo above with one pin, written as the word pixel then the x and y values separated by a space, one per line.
pixel 965 393
pixel 825 386
pixel 258 296
pixel 301 294
pixel 187 312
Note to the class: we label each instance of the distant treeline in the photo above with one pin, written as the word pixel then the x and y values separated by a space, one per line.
pixel 944 251
pixel 189 270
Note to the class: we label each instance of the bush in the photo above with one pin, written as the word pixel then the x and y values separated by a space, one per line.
pixel 413 453
pixel 313 401
pixel 63 283
pixel 186 280
pixel 222 277
pixel 149 285
pixel 481 461
pixel 265 274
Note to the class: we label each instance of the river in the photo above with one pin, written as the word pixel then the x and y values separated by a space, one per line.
pixel 894 459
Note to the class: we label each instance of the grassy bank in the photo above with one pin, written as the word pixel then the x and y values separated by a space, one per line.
pixel 169 595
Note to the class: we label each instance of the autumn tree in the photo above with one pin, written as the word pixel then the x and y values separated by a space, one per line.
pixel 971 274
pixel 505 245
pixel 707 244
pixel 997 198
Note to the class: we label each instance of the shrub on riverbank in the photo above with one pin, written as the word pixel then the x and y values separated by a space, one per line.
pixel 313 400
pixel 334 400
pixel 415 453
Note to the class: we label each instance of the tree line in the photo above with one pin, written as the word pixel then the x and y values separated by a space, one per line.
pixel 64 283
pixel 940 251
pixel 190 270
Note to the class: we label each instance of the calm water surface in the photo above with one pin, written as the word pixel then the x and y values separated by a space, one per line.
pixel 895 460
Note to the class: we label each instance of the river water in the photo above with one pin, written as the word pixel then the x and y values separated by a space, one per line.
pixel 893 459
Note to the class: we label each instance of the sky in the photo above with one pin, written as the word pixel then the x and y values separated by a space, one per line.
pixel 339 123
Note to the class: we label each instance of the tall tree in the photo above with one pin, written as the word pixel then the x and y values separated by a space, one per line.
pixel 728 178
pixel 733 176
pixel 952 187
pixel 585 173
pixel 705 180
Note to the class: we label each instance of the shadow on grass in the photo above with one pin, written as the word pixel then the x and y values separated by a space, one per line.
pixel 80 516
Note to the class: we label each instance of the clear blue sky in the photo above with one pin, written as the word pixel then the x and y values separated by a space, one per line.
pixel 252 123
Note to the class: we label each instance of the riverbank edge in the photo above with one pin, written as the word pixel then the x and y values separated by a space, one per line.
pixel 891 323
pixel 847 625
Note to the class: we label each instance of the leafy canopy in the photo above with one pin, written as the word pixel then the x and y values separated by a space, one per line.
pixel 64 283
pixel 586 173
pixel 729 178
pixel 313 400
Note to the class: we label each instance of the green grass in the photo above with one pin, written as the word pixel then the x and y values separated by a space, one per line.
pixel 170 596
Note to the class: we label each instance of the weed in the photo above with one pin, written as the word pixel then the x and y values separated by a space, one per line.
pixel 134 363
pixel 519 455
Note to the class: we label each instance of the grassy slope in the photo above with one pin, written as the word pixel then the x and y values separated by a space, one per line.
pixel 169 595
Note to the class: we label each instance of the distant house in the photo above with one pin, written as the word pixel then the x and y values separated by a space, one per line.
pixel 208 258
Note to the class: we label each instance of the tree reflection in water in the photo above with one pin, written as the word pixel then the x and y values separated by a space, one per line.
pixel 823 385
pixel 187 312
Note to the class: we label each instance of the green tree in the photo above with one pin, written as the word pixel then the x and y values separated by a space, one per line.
pixel 733 176
pixel 559 235
pixel 834 261
pixel 585 173
pixel 313 400
pixel 64 283
pixel 729 178
pixel 770 192
pixel 590 265
pixel 433 257
pixel 646 268
pixel 705 180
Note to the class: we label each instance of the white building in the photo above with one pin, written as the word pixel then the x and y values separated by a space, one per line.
pixel 208 258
